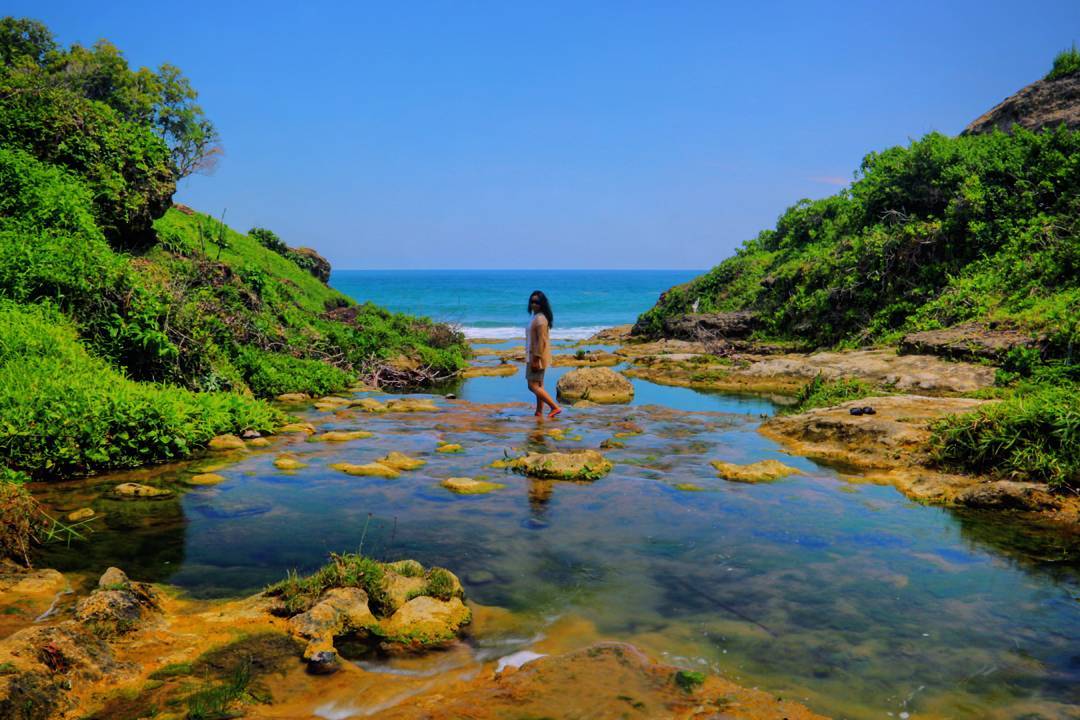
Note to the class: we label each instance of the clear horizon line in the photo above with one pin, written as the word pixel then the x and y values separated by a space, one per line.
pixel 515 269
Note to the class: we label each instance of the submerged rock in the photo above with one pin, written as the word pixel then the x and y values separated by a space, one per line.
pixel 600 384
pixel 342 436
pixel 411 405
pixel 258 442
pixel 80 514
pixel 226 442
pixel 468 486
pixel 298 427
pixel 373 469
pixel 369 405
pixel 205 479
pixel 763 471
pixel 137 490
pixel 503 370
pixel 574 465
pixel 445 447
pixel 288 462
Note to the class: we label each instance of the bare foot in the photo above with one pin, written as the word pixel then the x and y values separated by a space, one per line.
pixel 554 412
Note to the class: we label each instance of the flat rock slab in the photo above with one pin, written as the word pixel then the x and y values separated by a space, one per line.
pixel 577 465
pixel 895 436
pixel 910 373
pixel 966 342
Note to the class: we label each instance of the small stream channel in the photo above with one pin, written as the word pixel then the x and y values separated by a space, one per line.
pixel 824 589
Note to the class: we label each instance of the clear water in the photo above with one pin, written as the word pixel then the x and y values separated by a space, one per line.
pixel 491 303
pixel 843 595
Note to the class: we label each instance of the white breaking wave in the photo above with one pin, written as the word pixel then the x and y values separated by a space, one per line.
pixel 511 333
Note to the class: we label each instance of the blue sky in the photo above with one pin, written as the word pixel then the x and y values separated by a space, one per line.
pixel 546 135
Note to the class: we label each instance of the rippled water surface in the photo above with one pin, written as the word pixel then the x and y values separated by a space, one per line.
pixel 841 594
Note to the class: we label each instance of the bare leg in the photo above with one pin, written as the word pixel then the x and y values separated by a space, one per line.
pixel 539 405
pixel 543 397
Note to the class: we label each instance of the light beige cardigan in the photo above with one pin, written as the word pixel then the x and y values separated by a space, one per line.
pixel 539 346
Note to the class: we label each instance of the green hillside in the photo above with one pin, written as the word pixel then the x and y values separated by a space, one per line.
pixel 943 231
pixel 132 333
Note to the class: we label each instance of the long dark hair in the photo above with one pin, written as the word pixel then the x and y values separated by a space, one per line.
pixel 545 306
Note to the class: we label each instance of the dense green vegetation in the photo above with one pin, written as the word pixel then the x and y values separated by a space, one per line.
pixel 822 392
pixel 1066 63
pixel 946 230
pixel 130 332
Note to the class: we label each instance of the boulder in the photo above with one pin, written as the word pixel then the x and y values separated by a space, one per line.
pixel 763 471
pixel 601 385
pixel 575 465
pixel 313 262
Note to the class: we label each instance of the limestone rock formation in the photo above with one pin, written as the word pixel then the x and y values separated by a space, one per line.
pixel 1042 104
pixel 598 384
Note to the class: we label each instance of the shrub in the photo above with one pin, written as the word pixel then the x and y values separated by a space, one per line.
pixel 299 594
pixel 64 412
pixel 1065 63
pixel 822 392
pixel 20 517
pixel 1033 435
pixel 269 374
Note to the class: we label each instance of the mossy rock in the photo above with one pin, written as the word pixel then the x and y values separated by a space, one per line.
pixel 598 384
pixel 401 461
pixel 763 471
pixel 411 405
pixel 449 448
pixel 374 469
pixel 468 486
pixel 688 487
pixel 298 428
pixel 288 462
pixel 205 479
pixel 369 405
pixel 424 622
pixel 342 436
pixel 574 465
pixel 140 491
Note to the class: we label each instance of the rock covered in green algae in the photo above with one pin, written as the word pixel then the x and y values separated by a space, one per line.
pixel 401 461
pixel 298 427
pixel 401 605
pixel 205 479
pixel 445 447
pixel 763 471
pixel 583 464
pixel 342 436
pixel 137 490
pixel 598 384
pixel 411 405
pixel 80 514
pixel 468 486
pixel 293 397
pixel 369 405
pixel 373 469
pixel 288 462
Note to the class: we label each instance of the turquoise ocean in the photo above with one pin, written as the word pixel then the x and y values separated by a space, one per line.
pixel 491 303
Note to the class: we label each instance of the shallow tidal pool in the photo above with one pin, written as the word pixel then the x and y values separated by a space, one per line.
pixel 840 594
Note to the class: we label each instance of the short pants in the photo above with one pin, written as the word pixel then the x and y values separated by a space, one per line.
pixel 534 376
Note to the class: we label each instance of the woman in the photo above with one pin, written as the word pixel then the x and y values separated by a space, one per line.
pixel 538 351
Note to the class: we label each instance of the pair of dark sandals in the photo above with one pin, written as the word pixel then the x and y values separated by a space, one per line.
pixel 863 411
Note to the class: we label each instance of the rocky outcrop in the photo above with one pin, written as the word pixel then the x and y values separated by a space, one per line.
pixel 968 341
pixel 598 384
pixel 468 486
pixel 710 326
pixel 895 436
pixel 1042 104
pixel 313 262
